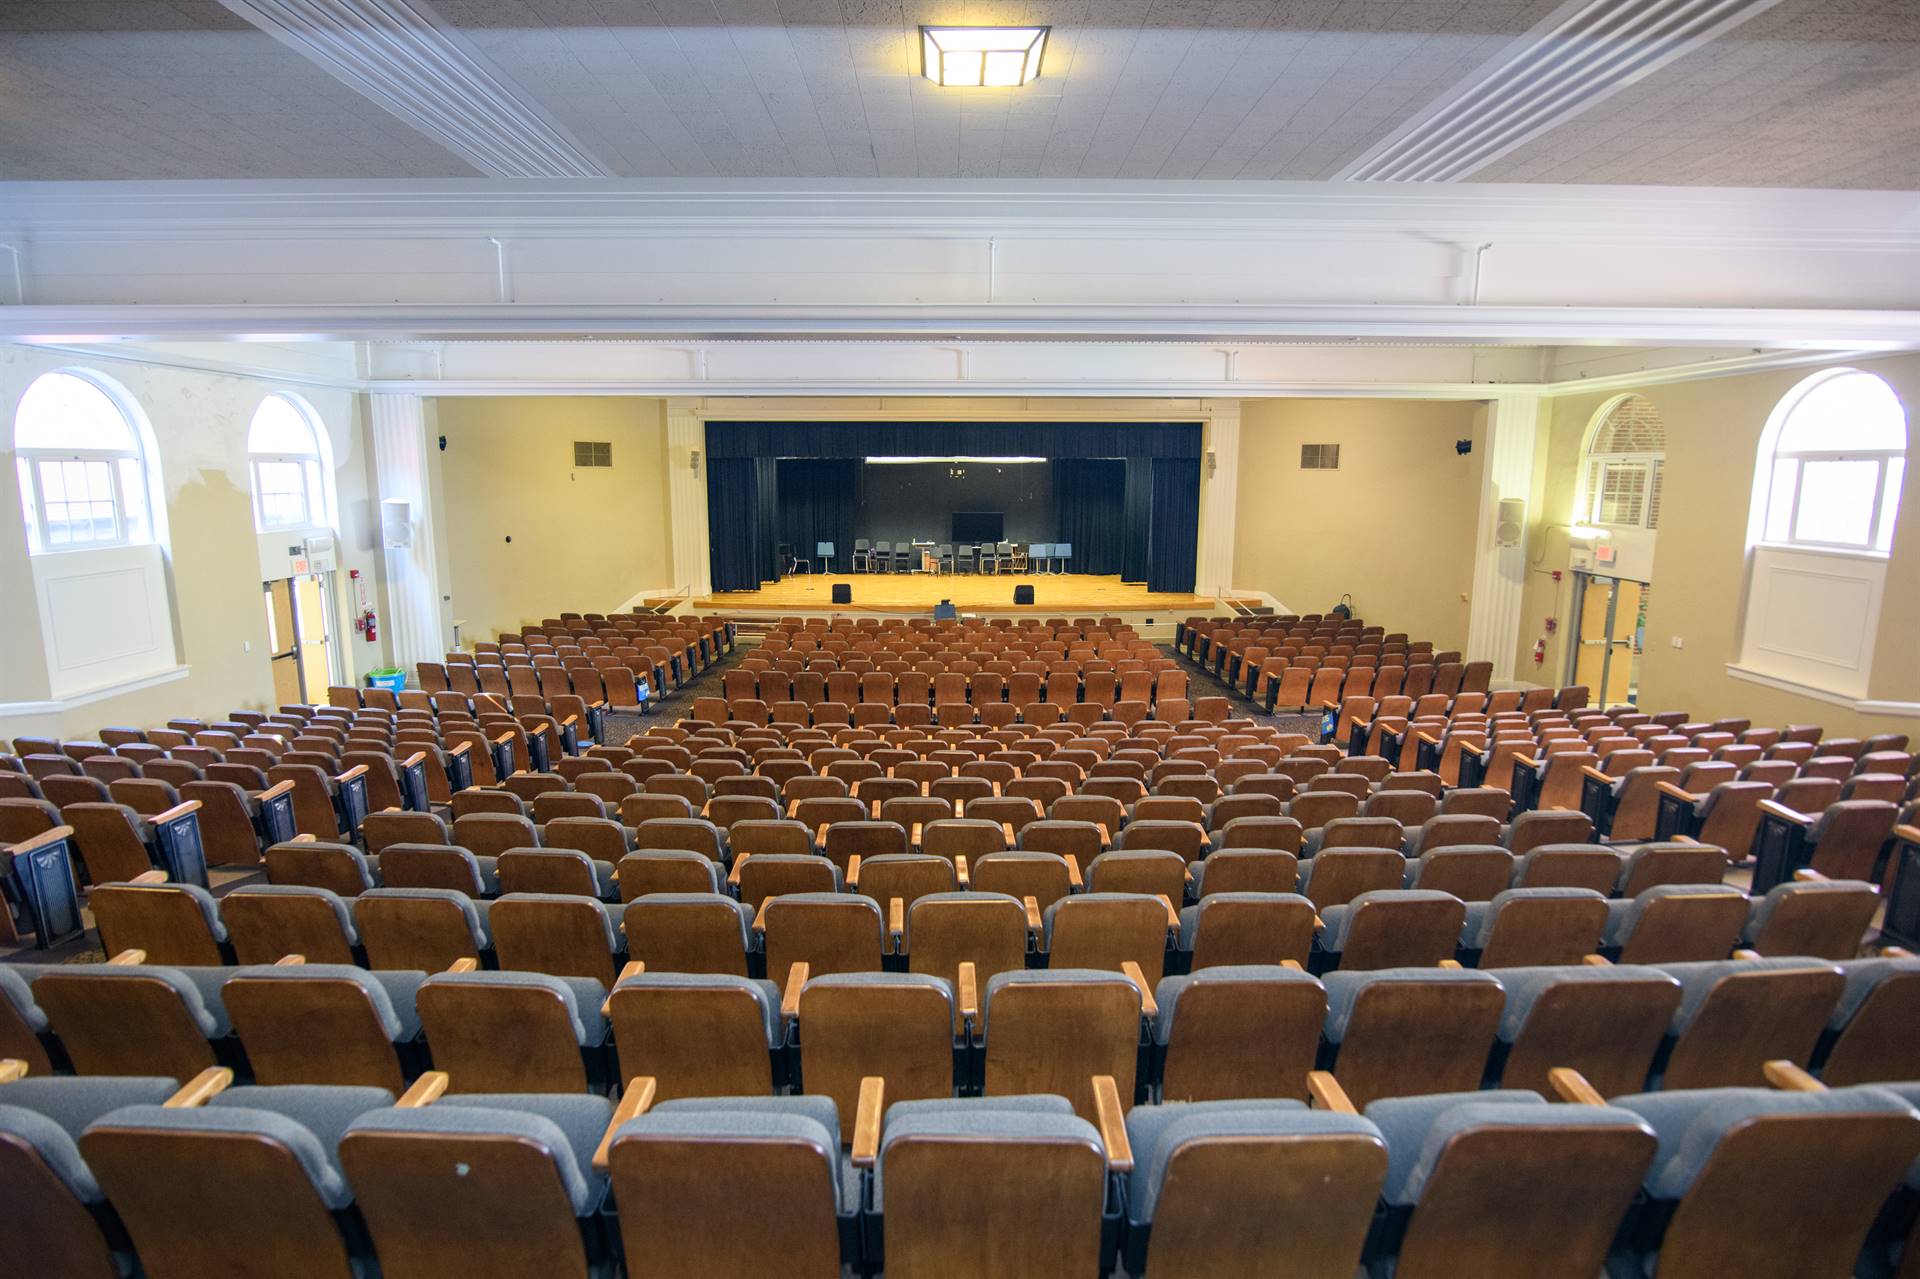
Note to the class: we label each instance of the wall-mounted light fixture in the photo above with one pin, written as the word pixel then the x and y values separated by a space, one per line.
pixel 982 57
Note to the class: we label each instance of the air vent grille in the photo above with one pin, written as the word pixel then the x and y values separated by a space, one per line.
pixel 592 453
pixel 1319 457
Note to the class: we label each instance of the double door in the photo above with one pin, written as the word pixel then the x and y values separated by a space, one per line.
pixel 300 638
pixel 1610 617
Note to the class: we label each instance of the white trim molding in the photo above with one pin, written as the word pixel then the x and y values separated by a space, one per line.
pixel 1863 705
pixel 397 424
pixel 1500 572
pixel 87 697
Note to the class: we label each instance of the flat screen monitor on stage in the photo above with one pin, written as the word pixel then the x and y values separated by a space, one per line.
pixel 979 526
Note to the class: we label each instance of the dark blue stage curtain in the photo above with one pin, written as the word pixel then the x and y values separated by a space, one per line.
pixel 1051 440
pixel 1136 519
pixel 1176 524
pixel 818 498
pixel 743 522
pixel 1088 503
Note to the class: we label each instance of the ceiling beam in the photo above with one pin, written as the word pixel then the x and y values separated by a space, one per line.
pixel 1583 53
pixel 405 57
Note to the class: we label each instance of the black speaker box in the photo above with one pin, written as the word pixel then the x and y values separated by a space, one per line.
pixel 843 592
pixel 1023 595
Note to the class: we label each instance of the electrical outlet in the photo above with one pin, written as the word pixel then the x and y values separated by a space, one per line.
pixel 1679 642
pixel 246 646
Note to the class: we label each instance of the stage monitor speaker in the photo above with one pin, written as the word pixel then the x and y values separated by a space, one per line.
pixel 843 592
pixel 1023 595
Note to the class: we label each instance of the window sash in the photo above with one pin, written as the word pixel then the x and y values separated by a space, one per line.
pixel 1598 466
pixel 1801 457
pixel 303 493
pixel 37 461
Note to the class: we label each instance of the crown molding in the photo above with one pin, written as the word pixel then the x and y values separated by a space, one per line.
pixel 557 208
pixel 1577 57
pixel 405 57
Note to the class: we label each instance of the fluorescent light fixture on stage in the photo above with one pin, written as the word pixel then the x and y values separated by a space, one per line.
pixel 991 461
pixel 982 57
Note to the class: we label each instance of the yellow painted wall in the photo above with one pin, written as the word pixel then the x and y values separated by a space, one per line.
pixel 1713 437
pixel 583 540
pixel 1393 526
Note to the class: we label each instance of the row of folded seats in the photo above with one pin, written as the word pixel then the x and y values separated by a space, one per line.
pixel 676 912
pixel 1239 1030
pixel 1047 1163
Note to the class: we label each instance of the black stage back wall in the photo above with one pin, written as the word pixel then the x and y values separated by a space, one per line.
pixel 1126 495
pixel 905 501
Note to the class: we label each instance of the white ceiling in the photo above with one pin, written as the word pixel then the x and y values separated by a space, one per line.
pixel 1815 93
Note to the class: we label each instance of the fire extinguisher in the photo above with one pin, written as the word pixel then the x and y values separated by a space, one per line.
pixel 1539 652
pixel 367 625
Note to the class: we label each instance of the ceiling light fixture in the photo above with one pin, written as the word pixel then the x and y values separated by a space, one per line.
pixel 976 57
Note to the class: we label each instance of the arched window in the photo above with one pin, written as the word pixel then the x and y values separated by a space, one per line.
pixel 283 452
pixel 1620 486
pixel 83 477
pixel 1831 464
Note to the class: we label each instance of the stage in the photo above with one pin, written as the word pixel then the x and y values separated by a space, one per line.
pixel 915 594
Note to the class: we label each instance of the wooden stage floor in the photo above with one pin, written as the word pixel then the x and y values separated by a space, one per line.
pixel 1054 594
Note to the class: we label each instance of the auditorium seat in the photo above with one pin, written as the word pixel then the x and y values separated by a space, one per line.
pixel 1400 1032
pixel 267 921
pixel 1737 1015
pixel 421 929
pixel 306 1023
pixel 512 1032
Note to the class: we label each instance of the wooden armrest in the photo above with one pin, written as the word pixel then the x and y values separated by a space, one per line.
pixel 633 968
pixel 865 1151
pixel 1450 963
pixel 1683 839
pixel 1034 922
pixel 1073 872
pixel 1173 916
pixel 393 808
pixel 276 790
pixel 1293 964
pixel 149 877
pixel 1427 737
pixel 201 1089
pixel 790 997
pixel 1482 751
pixel 464 965
pixel 1907 835
pixel 418 757
pixel 633 1103
pixel 1106 836
pixel 1537 763
pixel 188 808
pixel 873 807
pixel 358 770
pixel 1113 1123
pixel 129 958
pixel 1588 770
pixel 1746 955
pixel 503 739
pixel 290 961
pixel 536 730
pixel 969 989
pixel 462 749
pixel 1006 829
pixel 1149 1006
pixel 1788 1077
pixel 1772 808
pixel 913 836
pixel 12 1068
pixel 853 871
pixel 1596 961
pixel 304 838
pixel 960 872
pixel 896 916
pixel 1572 1086
pixel 793 809
pixel 425 1091
pixel 760 918
pixel 739 860
pixel 567 722
pixel 1895 952
pixel 1328 1094
pixel 1808 875
pixel 1674 792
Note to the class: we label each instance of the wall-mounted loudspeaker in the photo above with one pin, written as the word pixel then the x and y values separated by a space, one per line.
pixel 843 593
pixel 1023 595
pixel 396 524
pixel 1511 521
